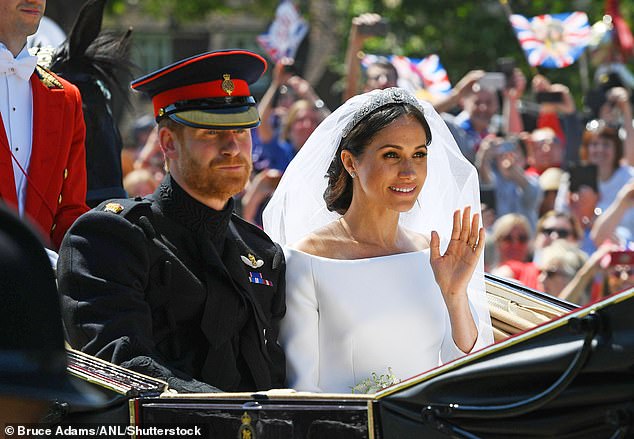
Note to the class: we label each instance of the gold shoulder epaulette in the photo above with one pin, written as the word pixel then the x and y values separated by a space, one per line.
pixel 47 78
pixel 113 208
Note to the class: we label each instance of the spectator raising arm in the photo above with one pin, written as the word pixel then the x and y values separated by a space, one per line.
pixel 461 89
pixel 605 225
pixel 280 74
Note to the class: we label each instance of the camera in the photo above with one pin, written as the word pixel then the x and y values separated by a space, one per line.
pixel 621 257
pixel 506 146
pixel 554 97
pixel 493 81
pixel 583 175
pixel 378 29
pixel 507 67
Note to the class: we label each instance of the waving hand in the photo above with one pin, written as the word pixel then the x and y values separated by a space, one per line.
pixel 454 269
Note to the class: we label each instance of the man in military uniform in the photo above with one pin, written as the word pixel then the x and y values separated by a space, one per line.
pixel 175 285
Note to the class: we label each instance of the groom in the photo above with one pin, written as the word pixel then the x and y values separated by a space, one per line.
pixel 175 285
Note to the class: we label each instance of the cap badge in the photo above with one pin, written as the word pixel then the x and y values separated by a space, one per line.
pixel 113 207
pixel 227 84
pixel 251 261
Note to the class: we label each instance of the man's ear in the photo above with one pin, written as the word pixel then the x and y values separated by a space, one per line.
pixel 167 142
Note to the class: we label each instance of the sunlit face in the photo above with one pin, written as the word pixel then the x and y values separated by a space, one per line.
pixel 393 168
pixel 379 77
pixel 601 152
pixel 20 18
pixel 620 277
pixel 546 151
pixel 212 163
pixel 583 204
pixel 552 279
pixel 303 126
pixel 481 106
pixel 553 228
pixel 514 245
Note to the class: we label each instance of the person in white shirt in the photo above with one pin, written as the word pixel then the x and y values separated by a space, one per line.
pixel 42 155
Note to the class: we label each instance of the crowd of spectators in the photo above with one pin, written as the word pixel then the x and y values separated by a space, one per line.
pixel 556 177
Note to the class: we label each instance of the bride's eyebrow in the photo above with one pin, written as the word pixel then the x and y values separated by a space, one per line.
pixel 389 145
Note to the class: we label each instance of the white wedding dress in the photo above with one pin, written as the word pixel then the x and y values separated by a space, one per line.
pixel 346 319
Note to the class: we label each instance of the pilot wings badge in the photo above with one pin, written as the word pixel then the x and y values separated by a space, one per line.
pixel 251 261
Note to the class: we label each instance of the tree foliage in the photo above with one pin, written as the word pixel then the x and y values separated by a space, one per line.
pixel 465 34
pixel 191 10
pixel 468 35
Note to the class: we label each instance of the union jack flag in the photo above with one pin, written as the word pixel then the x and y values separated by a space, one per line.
pixel 552 40
pixel 415 73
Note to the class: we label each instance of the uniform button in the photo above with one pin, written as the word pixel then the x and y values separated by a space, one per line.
pixel 65 173
pixel 53 227
pixel 59 200
pixel 12 69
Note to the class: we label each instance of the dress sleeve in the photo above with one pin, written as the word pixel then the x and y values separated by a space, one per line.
pixel 299 332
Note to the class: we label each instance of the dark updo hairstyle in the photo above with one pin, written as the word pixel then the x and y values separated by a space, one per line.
pixel 338 194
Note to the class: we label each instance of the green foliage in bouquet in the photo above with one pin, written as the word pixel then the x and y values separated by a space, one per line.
pixel 376 382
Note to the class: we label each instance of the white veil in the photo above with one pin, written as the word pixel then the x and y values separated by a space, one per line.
pixel 298 207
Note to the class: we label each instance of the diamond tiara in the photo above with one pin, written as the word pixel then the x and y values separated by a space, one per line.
pixel 393 95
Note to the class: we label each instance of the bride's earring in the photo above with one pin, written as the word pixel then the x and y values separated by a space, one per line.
pixel 353 174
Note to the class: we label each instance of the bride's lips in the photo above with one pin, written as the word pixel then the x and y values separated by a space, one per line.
pixel 403 190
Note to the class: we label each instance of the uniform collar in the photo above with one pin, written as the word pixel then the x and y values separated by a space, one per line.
pixel 191 213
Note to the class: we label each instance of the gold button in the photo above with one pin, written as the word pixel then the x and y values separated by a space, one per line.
pixel 53 227
pixel 65 173
pixel 59 200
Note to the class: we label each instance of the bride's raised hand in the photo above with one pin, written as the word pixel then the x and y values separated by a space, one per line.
pixel 454 269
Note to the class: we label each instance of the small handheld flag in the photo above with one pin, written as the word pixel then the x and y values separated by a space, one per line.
pixel 285 33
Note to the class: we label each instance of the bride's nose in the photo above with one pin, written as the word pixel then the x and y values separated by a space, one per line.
pixel 407 171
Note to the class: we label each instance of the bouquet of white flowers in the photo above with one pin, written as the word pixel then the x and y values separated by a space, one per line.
pixel 376 382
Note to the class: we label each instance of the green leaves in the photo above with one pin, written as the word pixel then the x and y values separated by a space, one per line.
pixel 375 382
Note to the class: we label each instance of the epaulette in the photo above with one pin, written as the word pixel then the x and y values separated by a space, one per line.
pixel 129 208
pixel 47 78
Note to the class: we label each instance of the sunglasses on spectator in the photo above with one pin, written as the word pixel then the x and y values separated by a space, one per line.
pixel 522 239
pixel 562 233
pixel 552 273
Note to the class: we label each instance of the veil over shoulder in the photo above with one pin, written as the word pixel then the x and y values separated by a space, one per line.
pixel 298 207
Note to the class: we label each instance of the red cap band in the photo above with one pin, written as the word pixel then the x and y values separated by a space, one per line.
pixel 203 90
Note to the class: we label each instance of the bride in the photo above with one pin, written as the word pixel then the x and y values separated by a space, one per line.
pixel 383 270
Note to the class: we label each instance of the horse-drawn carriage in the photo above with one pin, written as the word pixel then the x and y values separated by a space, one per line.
pixel 555 371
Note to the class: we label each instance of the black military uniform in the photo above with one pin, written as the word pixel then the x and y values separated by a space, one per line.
pixel 168 286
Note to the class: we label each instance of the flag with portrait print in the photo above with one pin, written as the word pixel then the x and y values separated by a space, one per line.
pixel 417 74
pixel 285 33
pixel 552 40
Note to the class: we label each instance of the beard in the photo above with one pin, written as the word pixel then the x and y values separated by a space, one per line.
pixel 209 182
